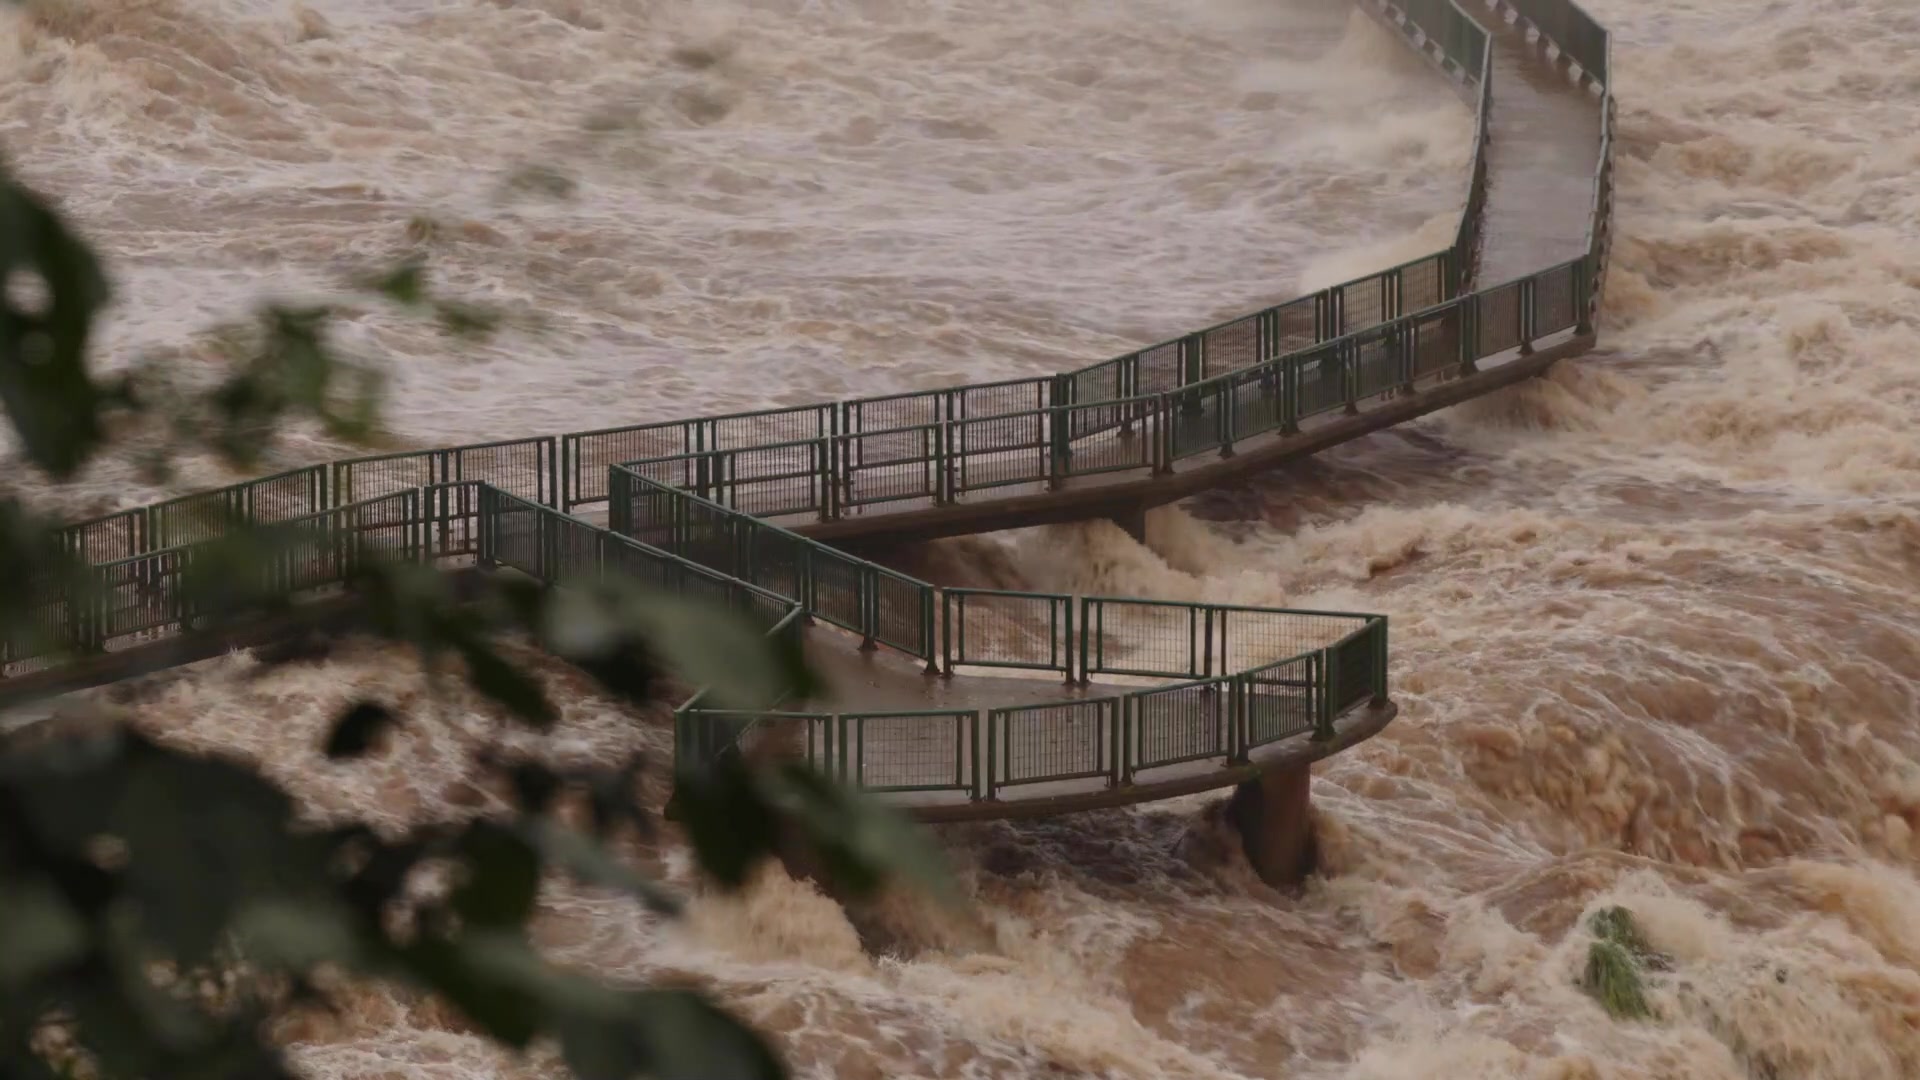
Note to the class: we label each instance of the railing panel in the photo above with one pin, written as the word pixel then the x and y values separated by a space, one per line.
pixel 640 564
pixel 893 411
pixel 1376 360
pixel 195 519
pixel 777 560
pixel 910 751
pixel 770 481
pixel 383 474
pixel 998 451
pixel 576 548
pixel 390 529
pixel 903 613
pixel 1358 667
pixel 1258 402
pixel 1320 384
pixel 527 468
pixel 56 622
pixel 1554 307
pixel 140 598
pixel 768 427
pixel 840 586
pixel 1248 637
pixel 1278 700
pixel 1194 417
pixel 1499 319
pixel 1296 326
pixel 1363 303
pixel 1155 638
pixel 702 736
pixel 1102 382
pixel 1185 722
pixel 1111 451
pixel 990 628
pixel 1161 367
pixel 1231 347
pixel 311 553
pixel 1436 341
pixel 292 494
pixel 998 399
pixel 589 454
pixel 894 466
pixel 511 533
pixel 1423 284
pixel 1040 744
pixel 108 538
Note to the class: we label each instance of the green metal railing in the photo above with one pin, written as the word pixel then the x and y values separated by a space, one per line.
pixel 684 498
pixel 1116 738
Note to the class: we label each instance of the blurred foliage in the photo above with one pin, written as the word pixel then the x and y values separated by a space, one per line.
pixel 133 877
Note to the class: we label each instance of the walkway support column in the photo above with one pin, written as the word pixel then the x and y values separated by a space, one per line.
pixel 1132 522
pixel 1274 816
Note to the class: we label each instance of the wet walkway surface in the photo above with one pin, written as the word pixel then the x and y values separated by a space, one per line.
pixel 1543 152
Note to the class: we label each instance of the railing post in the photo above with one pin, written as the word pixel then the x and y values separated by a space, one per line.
pixel 1236 721
pixel 1407 342
pixel 1067 642
pixel 1469 333
pixel 1525 315
pixel 1086 632
pixel 1225 398
pixel 1059 444
pixel 869 588
pixel 487 542
pixel 1290 396
pixel 1128 722
pixel 1380 661
pixel 1116 745
pixel 1193 362
pixel 993 756
pixel 926 625
pixel 829 471
pixel 947 603
pixel 1583 295
pixel 1329 684
pixel 1349 355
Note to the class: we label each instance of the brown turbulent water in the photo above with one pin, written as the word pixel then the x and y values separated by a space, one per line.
pixel 1654 636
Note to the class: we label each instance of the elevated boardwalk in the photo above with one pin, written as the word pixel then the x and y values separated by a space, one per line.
pixel 759 511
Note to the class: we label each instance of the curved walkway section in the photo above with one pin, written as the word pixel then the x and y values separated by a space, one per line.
pixel 701 506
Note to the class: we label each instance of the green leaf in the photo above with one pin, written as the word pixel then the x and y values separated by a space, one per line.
pixel 863 842
pixel 358 728
pixel 729 824
pixel 44 383
pixel 591 864
pixel 404 284
pixel 503 877
pixel 475 974
pixel 296 935
pixel 39 931
pixel 513 689
pixel 469 321
pixel 667 1035
pixel 702 644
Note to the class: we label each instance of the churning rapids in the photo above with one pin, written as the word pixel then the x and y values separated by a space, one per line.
pixel 1655 641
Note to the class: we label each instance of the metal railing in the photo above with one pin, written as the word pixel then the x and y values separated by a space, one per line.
pixel 980 753
pixel 684 496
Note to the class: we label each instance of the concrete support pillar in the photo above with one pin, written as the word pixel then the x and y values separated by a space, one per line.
pixel 1133 523
pixel 1276 828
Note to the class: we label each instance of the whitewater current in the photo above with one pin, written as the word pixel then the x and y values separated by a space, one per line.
pixel 1654 641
